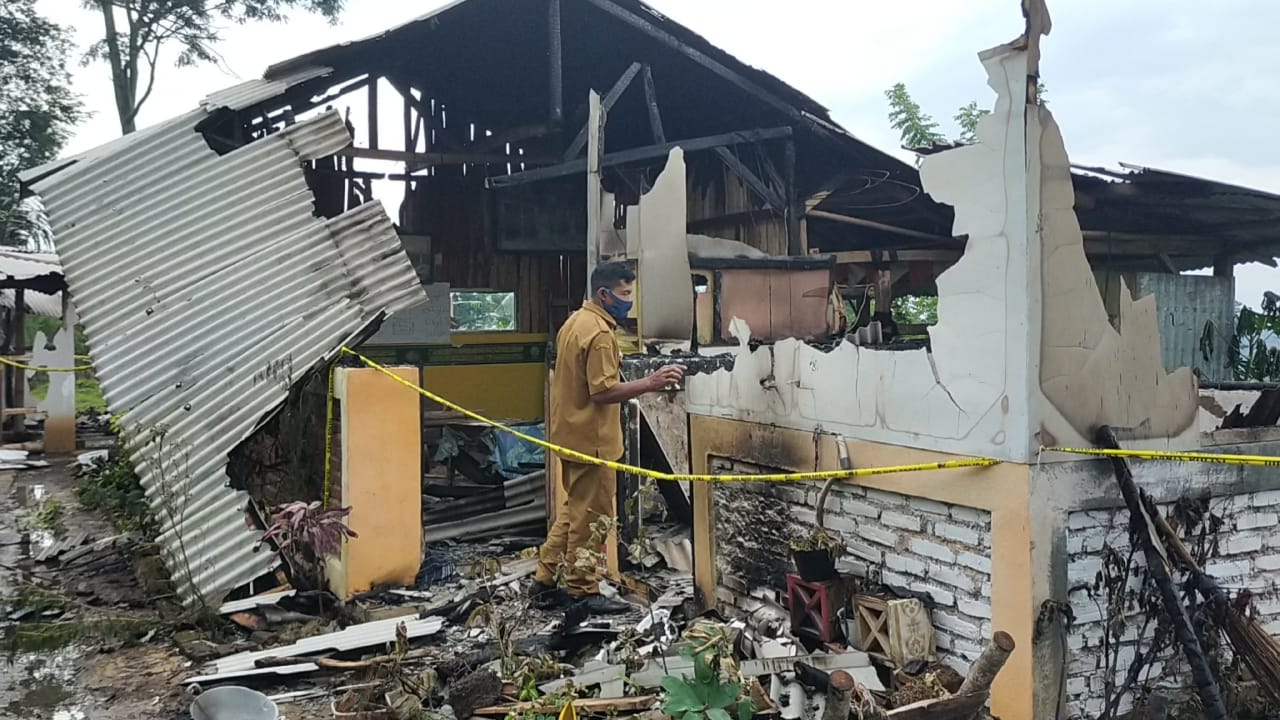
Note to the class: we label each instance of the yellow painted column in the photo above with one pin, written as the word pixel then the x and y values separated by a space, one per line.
pixel 381 480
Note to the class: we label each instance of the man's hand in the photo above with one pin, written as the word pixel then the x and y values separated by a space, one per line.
pixel 665 377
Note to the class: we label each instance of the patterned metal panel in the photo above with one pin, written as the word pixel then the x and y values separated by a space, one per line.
pixel 207 286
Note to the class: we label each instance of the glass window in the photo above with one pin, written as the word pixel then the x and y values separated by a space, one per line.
pixel 482 310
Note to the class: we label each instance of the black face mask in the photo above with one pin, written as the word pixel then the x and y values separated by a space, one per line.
pixel 618 308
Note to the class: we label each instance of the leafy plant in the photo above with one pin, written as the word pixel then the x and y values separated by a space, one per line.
pixel 52 518
pixel 318 531
pixel 705 696
pixel 919 130
pixel 111 487
pixel 817 539
pixel 1253 349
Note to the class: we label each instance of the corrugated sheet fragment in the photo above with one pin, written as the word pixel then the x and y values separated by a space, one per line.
pixel 16 266
pixel 250 93
pixel 36 303
pixel 207 287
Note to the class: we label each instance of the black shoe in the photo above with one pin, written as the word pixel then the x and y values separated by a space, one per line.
pixel 600 605
pixel 546 597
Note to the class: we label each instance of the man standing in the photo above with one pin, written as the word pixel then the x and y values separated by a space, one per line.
pixel 586 397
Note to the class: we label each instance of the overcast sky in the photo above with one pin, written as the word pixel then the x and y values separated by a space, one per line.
pixel 1179 85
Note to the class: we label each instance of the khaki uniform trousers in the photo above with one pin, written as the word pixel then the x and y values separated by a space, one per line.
pixel 590 493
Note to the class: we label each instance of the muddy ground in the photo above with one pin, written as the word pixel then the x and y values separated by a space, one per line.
pixel 93 680
pixel 80 681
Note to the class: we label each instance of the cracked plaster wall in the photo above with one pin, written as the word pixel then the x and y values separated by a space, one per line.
pixel 969 396
pixel 1090 373
pixel 1023 353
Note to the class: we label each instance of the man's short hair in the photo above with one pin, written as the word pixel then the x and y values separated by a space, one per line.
pixel 609 275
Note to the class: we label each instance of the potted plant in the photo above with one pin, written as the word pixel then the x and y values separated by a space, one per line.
pixel 814 556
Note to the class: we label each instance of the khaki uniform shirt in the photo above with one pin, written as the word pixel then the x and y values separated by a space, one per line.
pixel 588 361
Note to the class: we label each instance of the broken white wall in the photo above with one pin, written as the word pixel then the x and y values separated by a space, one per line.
pixel 1092 373
pixel 1023 354
pixel 657 226
pixel 971 395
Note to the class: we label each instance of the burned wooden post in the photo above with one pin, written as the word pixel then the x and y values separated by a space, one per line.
pixel 988 665
pixel 555 64
pixel 651 99
pixel 373 112
pixel 795 244
pixel 1157 564
pixel 839 693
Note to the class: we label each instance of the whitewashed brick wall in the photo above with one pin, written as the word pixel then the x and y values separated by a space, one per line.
pixel 1248 557
pixel 913 543
pixel 925 546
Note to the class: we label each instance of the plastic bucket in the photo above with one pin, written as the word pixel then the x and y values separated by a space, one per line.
pixel 233 703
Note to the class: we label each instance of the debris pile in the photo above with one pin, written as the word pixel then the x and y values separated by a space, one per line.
pixel 467 642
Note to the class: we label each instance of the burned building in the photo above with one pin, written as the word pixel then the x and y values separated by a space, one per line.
pixel 517 143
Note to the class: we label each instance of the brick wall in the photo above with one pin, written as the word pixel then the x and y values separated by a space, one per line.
pixel 1248 557
pixel 911 543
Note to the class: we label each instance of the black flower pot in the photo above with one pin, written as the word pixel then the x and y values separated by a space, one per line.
pixel 814 565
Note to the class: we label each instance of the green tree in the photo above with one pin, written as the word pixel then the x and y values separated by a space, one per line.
pixel 916 309
pixel 37 109
pixel 135 31
pixel 967 119
pixel 919 130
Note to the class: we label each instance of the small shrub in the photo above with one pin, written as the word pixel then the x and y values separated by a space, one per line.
pixel 111 487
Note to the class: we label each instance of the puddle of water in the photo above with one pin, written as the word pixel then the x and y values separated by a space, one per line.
pixel 32 495
pixel 40 539
pixel 44 685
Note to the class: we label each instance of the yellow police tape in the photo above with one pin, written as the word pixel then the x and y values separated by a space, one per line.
pixel 656 475
pixel 42 368
pixel 768 477
pixel 1198 457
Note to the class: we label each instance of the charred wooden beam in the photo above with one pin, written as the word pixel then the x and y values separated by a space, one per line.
pixel 771 198
pixel 373 112
pixel 662 36
pixel 499 140
pixel 555 64
pixel 650 152
pixel 877 257
pixel 418 161
pixel 651 100
pixel 1142 529
pixel 1223 267
pixel 905 232
pixel 606 105
pixel 301 102
pixel 775 178
pixel 795 244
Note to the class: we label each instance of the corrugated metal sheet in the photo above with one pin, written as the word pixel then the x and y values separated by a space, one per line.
pixel 248 94
pixel 207 286
pixel 37 303
pixel 1185 304
pixel 353 638
pixel 16 266
pixel 524 504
